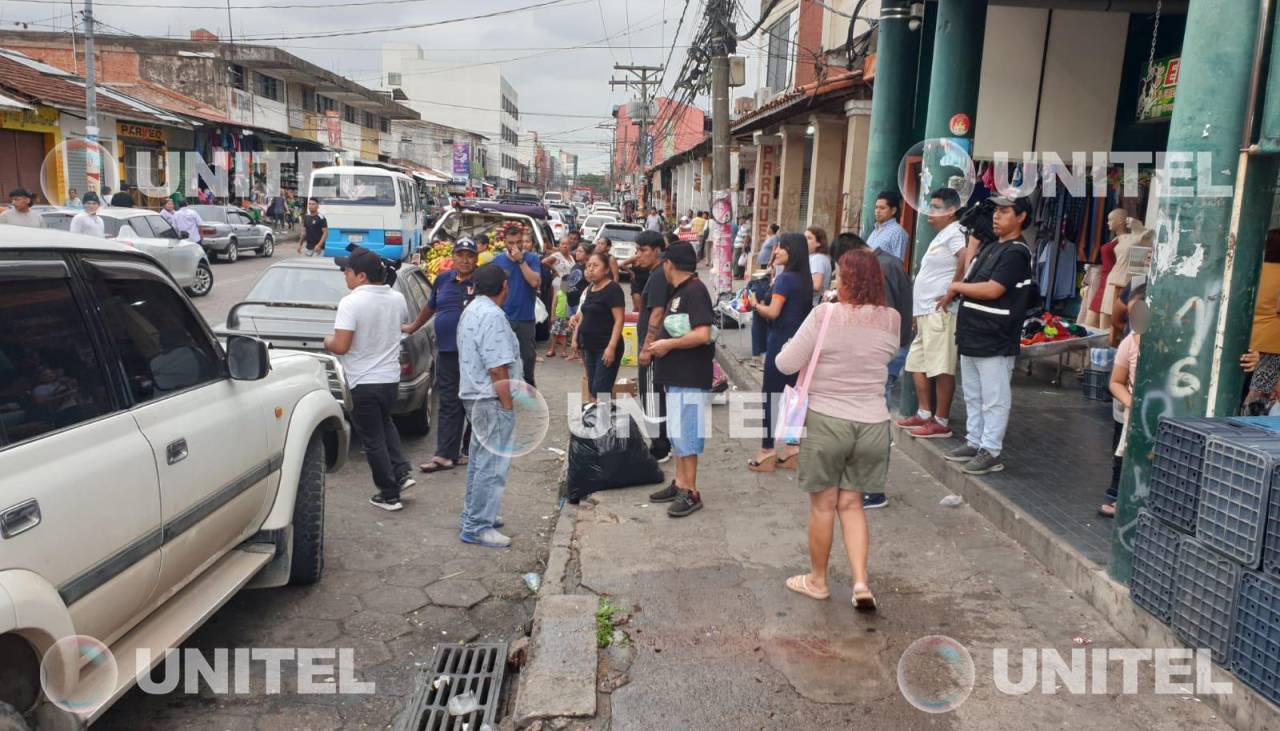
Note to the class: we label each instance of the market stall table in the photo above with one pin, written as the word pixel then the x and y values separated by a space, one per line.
pixel 1062 348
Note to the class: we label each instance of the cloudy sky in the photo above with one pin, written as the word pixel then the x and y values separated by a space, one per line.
pixel 548 79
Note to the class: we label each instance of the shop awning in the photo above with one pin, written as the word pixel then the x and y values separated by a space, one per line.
pixel 430 177
pixel 8 102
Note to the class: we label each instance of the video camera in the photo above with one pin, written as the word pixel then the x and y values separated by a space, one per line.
pixel 977 221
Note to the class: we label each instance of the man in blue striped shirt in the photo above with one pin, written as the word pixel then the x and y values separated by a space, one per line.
pixel 888 234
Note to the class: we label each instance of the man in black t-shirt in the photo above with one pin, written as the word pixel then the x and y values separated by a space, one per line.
pixel 652 308
pixel 684 353
pixel 315 230
pixel 993 303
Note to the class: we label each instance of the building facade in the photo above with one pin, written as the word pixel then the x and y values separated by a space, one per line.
pixel 474 98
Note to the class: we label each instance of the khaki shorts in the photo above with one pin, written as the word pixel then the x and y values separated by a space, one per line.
pixel 846 454
pixel 934 350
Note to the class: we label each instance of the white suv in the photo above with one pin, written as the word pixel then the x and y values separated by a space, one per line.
pixel 147 472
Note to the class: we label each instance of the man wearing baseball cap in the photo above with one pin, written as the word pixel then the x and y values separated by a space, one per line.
pixel 683 353
pixel 366 338
pixel 21 214
pixel 993 304
pixel 452 292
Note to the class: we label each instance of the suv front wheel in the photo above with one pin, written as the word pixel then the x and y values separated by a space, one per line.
pixel 308 517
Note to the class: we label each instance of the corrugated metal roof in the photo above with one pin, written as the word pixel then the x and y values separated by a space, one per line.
pixel 31 81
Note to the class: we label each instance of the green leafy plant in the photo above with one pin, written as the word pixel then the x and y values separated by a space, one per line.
pixel 604 622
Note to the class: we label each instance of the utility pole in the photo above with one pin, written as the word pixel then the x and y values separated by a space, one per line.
pixel 642 77
pixel 93 157
pixel 723 43
pixel 613 143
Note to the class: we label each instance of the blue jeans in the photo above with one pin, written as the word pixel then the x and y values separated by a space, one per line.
pixel 895 370
pixel 600 377
pixel 491 427
pixel 686 409
pixel 987 399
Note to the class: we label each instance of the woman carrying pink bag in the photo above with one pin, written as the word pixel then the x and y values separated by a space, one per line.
pixel 845 449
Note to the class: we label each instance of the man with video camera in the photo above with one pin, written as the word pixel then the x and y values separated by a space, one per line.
pixel 993 303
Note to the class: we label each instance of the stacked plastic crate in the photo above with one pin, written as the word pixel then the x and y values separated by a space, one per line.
pixel 1206 553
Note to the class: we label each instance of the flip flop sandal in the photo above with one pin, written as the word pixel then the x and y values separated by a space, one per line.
pixel 766 465
pixel 864 600
pixel 430 467
pixel 461 461
pixel 1105 513
pixel 800 585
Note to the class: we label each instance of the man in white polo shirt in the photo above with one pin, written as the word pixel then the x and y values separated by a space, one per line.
pixel 933 356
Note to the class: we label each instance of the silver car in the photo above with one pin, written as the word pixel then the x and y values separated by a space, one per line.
pixel 227 231
pixel 146 230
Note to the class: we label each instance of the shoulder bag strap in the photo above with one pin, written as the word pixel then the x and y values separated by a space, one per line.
pixel 817 350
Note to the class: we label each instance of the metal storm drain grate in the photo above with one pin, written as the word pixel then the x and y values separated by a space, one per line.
pixel 468 677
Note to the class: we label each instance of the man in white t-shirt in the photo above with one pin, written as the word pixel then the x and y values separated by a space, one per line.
pixel 366 337
pixel 933 356
pixel 88 222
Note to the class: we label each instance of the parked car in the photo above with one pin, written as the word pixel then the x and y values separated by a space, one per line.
pixel 566 212
pixel 147 231
pixel 227 231
pixel 148 471
pixel 552 196
pixel 293 305
pixel 591 226
pixel 559 227
pixel 581 209
pixel 622 238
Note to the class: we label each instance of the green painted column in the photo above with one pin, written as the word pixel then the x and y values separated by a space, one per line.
pixel 892 102
pixel 1202 283
pixel 953 89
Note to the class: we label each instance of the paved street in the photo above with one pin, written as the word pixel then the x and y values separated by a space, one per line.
pixel 395 584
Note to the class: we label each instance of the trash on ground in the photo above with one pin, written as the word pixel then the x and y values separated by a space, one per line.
pixel 463 703
pixel 951 501
pixel 1081 641
pixel 533 581
pixel 440 681
pixel 556 451
pixel 454 575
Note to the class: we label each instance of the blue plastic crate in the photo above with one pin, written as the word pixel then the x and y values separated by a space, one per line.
pixel 1255 642
pixel 1096 385
pixel 1235 495
pixel 1269 423
pixel 1271 544
pixel 1155 559
pixel 1204 592
pixel 1174 495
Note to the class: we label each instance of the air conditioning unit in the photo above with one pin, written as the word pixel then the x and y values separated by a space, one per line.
pixel 763 95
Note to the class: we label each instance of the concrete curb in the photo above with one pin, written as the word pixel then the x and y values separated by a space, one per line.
pixel 1243 708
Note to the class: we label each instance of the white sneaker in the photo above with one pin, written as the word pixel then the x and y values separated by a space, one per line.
pixel 491 537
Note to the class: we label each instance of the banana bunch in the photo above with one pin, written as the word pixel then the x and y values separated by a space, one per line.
pixel 439 259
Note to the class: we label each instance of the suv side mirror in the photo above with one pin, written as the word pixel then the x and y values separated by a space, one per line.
pixel 184 235
pixel 247 358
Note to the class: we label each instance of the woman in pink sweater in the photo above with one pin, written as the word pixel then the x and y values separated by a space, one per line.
pixel 845 450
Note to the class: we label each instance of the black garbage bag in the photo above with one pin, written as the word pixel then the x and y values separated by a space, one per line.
pixel 609 461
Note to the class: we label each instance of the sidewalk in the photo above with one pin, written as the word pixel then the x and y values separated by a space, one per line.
pixel 720 643
pixel 1057 453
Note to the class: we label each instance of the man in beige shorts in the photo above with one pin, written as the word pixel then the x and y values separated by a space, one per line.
pixel 933 356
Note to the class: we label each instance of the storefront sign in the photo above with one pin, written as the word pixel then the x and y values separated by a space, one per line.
pixel 960 124
pixel 40 119
pixel 139 131
pixel 461 159
pixel 1158 95
pixel 764 206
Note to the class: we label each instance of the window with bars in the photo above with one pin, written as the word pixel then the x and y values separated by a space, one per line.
pixel 778 68
pixel 269 87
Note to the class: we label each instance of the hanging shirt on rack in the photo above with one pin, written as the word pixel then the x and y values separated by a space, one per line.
pixel 1064 276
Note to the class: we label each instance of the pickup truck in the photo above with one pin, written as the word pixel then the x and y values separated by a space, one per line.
pixel 148 471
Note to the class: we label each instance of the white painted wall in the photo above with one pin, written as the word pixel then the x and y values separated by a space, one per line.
pixel 439 95
pixel 1081 81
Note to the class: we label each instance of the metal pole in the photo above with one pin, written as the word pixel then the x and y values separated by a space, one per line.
pixel 93 157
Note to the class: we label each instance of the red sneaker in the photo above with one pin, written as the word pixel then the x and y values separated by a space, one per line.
pixel 932 430
pixel 914 421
